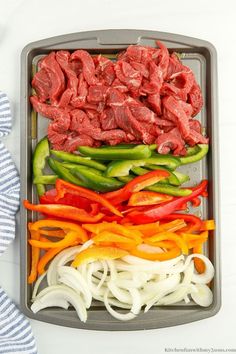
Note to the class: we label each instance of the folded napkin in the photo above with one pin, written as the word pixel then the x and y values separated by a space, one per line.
pixel 15 332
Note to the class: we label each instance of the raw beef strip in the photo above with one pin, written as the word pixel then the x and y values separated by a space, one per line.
pixel 94 117
pixel 154 101
pixel 195 98
pixel 56 139
pixel 115 97
pixel 153 87
pixel 60 116
pixel 72 142
pixel 141 68
pixel 42 84
pixel 174 66
pixel 108 120
pixel 115 136
pixel 80 99
pixel 196 138
pixel 172 110
pixel 65 98
pixel 179 85
pixel 88 65
pixel 63 59
pixel 127 75
pixel 117 84
pixel 57 79
pixel 104 69
pixel 81 124
pixel 97 93
pixel 188 109
pixel 162 122
pixel 171 141
pixel 138 53
pixel 163 59
pixel 195 125
pixel 143 114
pixel 126 121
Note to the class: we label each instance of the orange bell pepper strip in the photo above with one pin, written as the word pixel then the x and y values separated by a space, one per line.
pixel 148 198
pixel 64 225
pixel 35 254
pixel 50 254
pixel 53 233
pixel 193 240
pixel 114 228
pixel 147 230
pixel 173 226
pixel 193 222
pixel 199 264
pixel 107 236
pixel 172 253
pixel 168 236
pixel 208 225
pixel 165 244
pixel 63 211
pixel 68 240
pixel 64 187
pixel 96 253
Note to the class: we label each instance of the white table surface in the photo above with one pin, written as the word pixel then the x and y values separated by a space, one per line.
pixel 23 21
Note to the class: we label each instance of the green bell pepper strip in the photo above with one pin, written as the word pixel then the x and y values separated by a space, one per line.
pixel 94 181
pixel 181 177
pixel 135 153
pixel 127 146
pixel 71 166
pixel 202 151
pixel 171 180
pixel 40 155
pixel 66 156
pixel 125 179
pixel 46 179
pixel 122 168
pixel 168 189
pixel 64 173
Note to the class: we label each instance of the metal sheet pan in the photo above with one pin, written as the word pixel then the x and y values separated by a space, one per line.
pixel 200 56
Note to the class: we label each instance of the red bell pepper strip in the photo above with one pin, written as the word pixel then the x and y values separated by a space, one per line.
pixel 194 221
pixel 64 211
pixel 64 187
pixel 136 185
pixel 148 198
pixel 69 199
pixel 158 212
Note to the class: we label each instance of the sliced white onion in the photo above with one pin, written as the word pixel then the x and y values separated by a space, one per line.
pixel 182 289
pixel 61 258
pixel 120 294
pixel 135 309
pixel 127 283
pixel 104 274
pixel 49 301
pixel 37 285
pixel 157 264
pixel 112 268
pixel 203 296
pixel 72 278
pixel 205 277
pixel 162 288
pixel 59 295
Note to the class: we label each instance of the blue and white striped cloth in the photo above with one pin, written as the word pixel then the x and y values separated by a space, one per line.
pixel 15 331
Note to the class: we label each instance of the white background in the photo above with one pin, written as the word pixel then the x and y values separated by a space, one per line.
pixel 23 21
